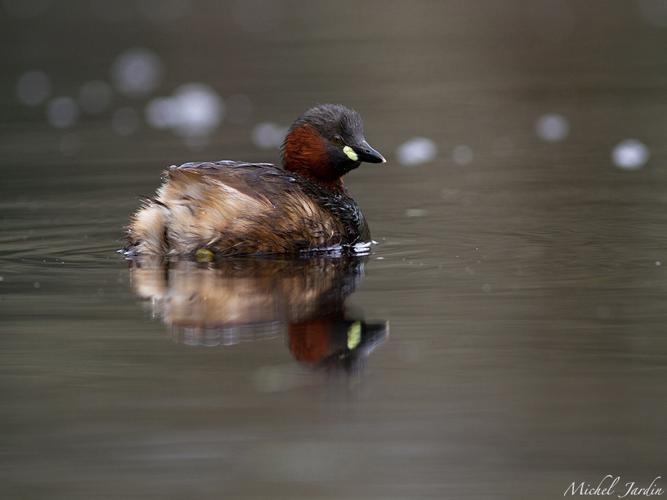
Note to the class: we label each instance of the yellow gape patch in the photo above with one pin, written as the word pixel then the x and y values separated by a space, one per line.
pixel 351 153
pixel 354 335
pixel 204 255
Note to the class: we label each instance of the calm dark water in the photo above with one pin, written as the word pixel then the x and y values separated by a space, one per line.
pixel 505 338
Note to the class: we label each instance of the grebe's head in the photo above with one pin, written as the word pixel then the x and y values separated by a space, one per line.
pixel 326 142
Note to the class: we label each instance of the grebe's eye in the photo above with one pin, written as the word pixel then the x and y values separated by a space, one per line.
pixel 338 140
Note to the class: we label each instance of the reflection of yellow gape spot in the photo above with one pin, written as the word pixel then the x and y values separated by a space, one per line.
pixel 351 153
pixel 354 335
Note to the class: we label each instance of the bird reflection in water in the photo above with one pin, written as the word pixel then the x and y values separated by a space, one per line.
pixel 242 299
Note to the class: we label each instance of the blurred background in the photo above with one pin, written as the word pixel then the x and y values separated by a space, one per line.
pixel 520 260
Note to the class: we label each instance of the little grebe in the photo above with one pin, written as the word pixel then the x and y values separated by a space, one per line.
pixel 236 208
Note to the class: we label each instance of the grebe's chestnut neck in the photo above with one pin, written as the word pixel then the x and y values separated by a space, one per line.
pixel 325 143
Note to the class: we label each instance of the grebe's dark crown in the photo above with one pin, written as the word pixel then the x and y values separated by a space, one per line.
pixel 332 120
pixel 330 137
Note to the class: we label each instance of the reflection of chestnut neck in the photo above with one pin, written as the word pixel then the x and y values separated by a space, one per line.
pixel 305 153
pixel 312 341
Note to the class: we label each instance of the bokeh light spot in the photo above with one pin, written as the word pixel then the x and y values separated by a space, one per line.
pixel 161 112
pixel 630 154
pixel 415 212
pixel 192 112
pixel 267 135
pixel 416 151
pixel 33 88
pixel 136 72
pixel 198 110
pixel 552 127
pixel 62 112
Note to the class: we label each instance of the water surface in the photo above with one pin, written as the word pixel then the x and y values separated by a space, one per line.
pixel 524 289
